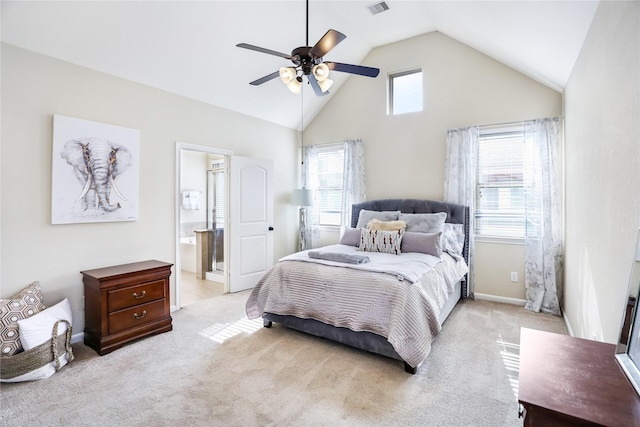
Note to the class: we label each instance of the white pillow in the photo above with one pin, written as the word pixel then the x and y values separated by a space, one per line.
pixel 37 329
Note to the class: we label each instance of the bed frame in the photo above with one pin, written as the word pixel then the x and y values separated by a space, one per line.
pixel 456 214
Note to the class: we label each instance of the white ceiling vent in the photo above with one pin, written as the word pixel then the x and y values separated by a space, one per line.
pixel 378 7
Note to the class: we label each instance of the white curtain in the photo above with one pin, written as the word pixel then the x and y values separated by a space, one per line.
pixel 353 186
pixel 310 181
pixel 544 230
pixel 353 178
pixel 460 181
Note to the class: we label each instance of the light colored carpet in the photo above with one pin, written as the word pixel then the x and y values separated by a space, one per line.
pixel 216 368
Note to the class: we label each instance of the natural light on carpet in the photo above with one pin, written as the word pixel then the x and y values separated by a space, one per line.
pixel 510 354
pixel 220 332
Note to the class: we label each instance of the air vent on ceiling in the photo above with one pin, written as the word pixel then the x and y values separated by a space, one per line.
pixel 378 7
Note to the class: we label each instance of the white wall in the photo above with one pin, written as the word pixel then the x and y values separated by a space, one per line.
pixel 35 87
pixel 602 143
pixel 405 154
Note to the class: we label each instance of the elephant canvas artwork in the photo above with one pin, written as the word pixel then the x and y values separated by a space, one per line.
pixel 95 172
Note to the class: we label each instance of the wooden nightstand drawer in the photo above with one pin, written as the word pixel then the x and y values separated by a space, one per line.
pixel 134 295
pixel 135 316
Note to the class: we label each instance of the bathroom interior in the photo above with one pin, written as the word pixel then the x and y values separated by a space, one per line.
pixel 202 219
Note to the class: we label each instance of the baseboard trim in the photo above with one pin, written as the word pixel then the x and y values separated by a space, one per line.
pixel 567 324
pixel 76 338
pixel 495 298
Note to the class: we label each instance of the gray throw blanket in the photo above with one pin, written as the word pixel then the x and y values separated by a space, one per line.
pixel 339 257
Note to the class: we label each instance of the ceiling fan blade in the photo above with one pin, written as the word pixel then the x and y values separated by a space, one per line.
pixel 263 50
pixel 330 40
pixel 353 69
pixel 265 78
pixel 316 86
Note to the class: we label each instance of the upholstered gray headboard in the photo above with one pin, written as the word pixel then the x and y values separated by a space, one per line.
pixel 456 214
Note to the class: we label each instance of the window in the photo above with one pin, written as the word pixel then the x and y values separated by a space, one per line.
pixel 330 171
pixel 405 92
pixel 500 186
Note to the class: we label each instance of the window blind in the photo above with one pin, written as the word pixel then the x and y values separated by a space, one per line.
pixel 500 186
pixel 330 178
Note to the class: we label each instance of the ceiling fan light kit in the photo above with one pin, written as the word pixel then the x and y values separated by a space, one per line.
pixel 308 61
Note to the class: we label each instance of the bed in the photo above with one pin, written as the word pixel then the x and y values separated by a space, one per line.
pixel 389 305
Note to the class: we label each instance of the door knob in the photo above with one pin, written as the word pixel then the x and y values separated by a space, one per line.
pixel 270 228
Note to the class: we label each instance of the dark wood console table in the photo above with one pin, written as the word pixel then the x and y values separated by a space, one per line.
pixel 124 303
pixel 567 381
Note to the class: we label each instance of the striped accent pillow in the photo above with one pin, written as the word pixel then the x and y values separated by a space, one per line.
pixel 381 241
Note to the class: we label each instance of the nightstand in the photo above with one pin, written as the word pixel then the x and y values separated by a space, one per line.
pixel 567 381
pixel 124 303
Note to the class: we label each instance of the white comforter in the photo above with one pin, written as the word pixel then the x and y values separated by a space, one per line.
pixel 396 296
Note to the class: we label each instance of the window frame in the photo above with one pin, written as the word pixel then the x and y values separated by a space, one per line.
pixel 390 90
pixel 493 133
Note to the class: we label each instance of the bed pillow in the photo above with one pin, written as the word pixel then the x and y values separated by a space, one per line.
pixel 20 306
pixel 425 243
pixel 37 329
pixel 351 237
pixel 365 216
pixel 453 239
pixel 381 241
pixel 376 224
pixel 424 223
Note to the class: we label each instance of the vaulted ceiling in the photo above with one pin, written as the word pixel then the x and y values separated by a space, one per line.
pixel 188 48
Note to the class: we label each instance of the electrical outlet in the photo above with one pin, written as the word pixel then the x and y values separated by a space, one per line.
pixel 514 276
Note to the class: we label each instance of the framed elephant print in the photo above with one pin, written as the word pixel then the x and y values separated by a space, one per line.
pixel 95 168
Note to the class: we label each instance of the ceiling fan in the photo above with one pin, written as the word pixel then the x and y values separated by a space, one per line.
pixel 308 61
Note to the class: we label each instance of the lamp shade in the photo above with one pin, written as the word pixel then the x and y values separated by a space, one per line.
pixel 295 86
pixel 325 84
pixel 321 72
pixel 302 197
pixel 287 74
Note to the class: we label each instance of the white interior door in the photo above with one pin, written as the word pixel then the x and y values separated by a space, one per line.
pixel 251 221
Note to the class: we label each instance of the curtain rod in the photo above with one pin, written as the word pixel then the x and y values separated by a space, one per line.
pixel 335 142
pixel 328 143
pixel 519 122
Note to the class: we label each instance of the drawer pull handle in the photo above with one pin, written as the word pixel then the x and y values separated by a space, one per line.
pixel 136 296
pixel 144 312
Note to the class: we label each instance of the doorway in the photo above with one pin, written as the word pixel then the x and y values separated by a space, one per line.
pixel 202 217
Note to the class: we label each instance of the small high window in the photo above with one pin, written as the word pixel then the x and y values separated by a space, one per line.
pixel 405 92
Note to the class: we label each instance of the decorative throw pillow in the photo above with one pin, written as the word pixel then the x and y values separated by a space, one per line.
pixel 365 216
pixel 376 224
pixel 453 239
pixel 37 329
pixel 424 223
pixel 351 237
pixel 425 243
pixel 20 306
pixel 381 241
